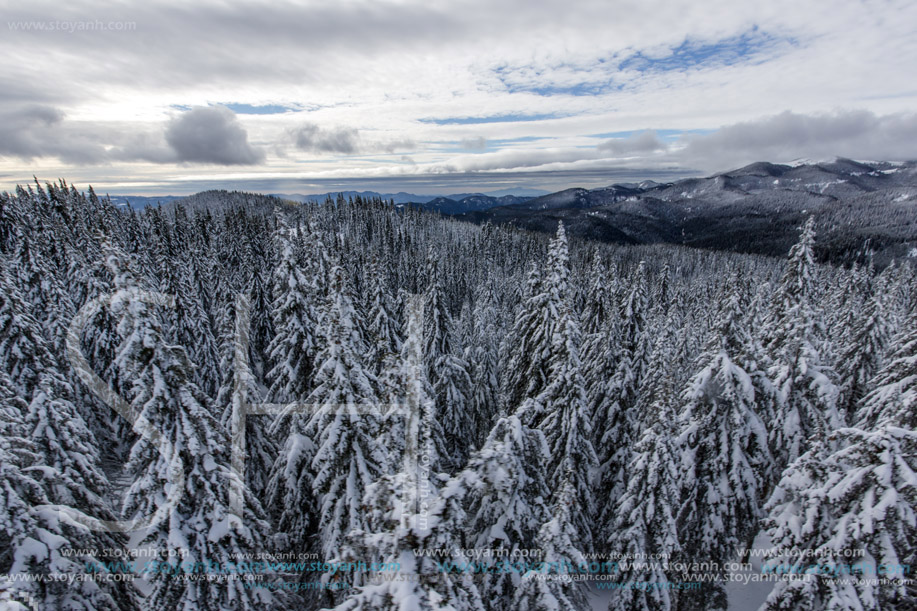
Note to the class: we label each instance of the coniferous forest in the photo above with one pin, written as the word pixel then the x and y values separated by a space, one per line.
pixel 239 402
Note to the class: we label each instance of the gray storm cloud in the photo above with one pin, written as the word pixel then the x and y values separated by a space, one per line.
pixel 310 137
pixel 859 134
pixel 313 138
pixel 211 134
pixel 32 130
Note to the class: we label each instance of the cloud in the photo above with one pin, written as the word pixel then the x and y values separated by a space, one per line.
pixel 474 144
pixel 343 140
pixel 310 137
pixel 858 134
pixel 211 134
pixel 536 80
pixel 639 143
pixel 391 146
pixel 33 131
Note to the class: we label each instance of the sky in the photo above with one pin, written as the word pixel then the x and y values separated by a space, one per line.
pixel 437 97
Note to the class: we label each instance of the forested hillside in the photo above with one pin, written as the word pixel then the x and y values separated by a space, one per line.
pixel 865 211
pixel 439 387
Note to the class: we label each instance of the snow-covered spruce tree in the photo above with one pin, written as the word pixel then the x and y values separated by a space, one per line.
pixel 806 395
pixel 382 328
pixel 528 344
pixel 405 386
pixel 181 468
pixel 560 410
pixel 598 335
pixel 861 356
pixel 99 343
pixel 893 399
pixel 895 285
pixel 33 531
pixel 544 588
pixel 49 302
pixel 507 500
pixel 398 534
pixel 483 358
pixel 289 487
pixel 100 337
pixel 408 514
pixel 262 325
pixel 292 351
pixel 345 424
pixel 757 364
pixel 24 351
pixel 614 416
pixel 239 387
pixel 188 325
pixel 645 525
pixel 846 519
pixel 448 374
pixel 725 457
pixel 64 443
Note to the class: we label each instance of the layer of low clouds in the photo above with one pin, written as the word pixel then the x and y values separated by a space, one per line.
pixel 640 143
pixel 202 135
pixel 474 144
pixel 408 88
pixel 788 136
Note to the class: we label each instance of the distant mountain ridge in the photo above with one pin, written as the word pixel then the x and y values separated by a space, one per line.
pixel 859 207
pixel 449 204
pixel 502 197
pixel 756 208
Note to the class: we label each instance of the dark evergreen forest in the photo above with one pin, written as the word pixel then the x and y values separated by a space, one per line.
pixel 438 387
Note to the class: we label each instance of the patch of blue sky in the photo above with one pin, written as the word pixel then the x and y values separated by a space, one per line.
pixel 459 150
pixel 246 109
pixel 603 75
pixel 531 81
pixel 502 141
pixel 259 109
pixel 662 134
pixel 755 44
pixel 509 118
pixel 581 89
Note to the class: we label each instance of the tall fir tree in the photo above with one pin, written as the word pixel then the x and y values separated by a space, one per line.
pixel 725 457
pixel 645 524
pixel 180 461
pixel 447 372
pixel 614 414
pixel 844 524
pixel 296 318
pixel 893 398
pixel 861 356
pixel 560 410
pixel 806 394
pixel 382 327
pixel 346 422
pixel 528 344
pixel 550 588
pixel 483 354
pixel 508 501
